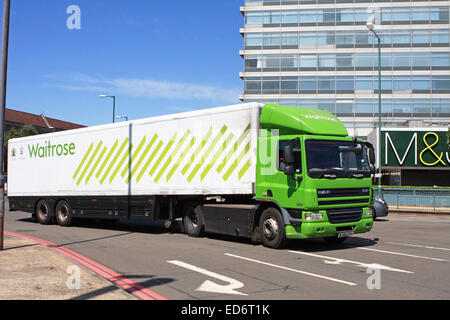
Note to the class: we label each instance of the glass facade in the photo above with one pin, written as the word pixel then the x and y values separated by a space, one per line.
pixel 320 54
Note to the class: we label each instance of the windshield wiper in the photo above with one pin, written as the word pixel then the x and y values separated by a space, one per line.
pixel 323 173
pixel 356 175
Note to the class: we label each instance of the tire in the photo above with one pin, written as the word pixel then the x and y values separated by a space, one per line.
pixel 335 240
pixel 193 221
pixel 63 213
pixel 273 232
pixel 43 212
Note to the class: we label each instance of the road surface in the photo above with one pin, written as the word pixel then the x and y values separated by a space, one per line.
pixel 404 257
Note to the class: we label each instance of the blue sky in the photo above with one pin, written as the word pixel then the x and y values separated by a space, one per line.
pixel 157 57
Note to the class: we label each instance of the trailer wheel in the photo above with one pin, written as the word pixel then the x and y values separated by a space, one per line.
pixel 63 213
pixel 193 220
pixel 273 232
pixel 43 212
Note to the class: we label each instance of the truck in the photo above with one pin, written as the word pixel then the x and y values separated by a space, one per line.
pixel 271 173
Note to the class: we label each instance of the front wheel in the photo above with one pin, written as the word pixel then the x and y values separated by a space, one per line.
pixel 193 220
pixel 63 213
pixel 273 231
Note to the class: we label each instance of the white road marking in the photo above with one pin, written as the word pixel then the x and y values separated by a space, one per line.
pixel 209 286
pixel 331 260
pixel 293 270
pixel 417 246
pixel 401 254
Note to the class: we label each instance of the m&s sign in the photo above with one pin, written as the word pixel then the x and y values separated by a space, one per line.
pixel 421 148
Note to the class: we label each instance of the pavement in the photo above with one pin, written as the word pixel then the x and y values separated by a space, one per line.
pixel 31 271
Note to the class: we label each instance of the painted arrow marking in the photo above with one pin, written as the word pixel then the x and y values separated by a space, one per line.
pixel 331 260
pixel 209 286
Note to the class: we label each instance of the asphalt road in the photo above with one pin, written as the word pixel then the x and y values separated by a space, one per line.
pixel 411 254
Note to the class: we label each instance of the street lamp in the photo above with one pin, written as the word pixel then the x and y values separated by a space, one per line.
pixel 3 80
pixel 122 117
pixel 371 27
pixel 104 96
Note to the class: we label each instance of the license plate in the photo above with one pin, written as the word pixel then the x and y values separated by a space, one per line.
pixel 344 234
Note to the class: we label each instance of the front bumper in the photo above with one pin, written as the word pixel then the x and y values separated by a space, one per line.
pixel 324 229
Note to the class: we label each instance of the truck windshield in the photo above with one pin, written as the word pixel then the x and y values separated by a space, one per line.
pixel 336 159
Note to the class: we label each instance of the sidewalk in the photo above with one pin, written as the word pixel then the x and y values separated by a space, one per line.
pixel 424 210
pixel 29 271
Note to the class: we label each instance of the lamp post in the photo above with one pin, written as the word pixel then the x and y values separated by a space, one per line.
pixel 104 96
pixel 370 26
pixel 4 66
pixel 122 117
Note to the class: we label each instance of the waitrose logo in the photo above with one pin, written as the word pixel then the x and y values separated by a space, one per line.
pixel 49 150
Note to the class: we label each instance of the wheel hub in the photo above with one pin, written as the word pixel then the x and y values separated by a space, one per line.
pixel 270 228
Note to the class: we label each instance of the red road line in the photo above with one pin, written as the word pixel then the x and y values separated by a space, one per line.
pixel 110 275
pixel 116 275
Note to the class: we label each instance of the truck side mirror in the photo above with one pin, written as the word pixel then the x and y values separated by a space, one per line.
pixel 372 156
pixel 289 161
pixel 289 157
pixel 371 153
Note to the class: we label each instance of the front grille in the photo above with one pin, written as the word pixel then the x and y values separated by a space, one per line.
pixel 349 201
pixel 337 193
pixel 344 215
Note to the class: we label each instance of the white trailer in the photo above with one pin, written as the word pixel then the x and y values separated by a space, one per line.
pixel 175 154
pixel 119 169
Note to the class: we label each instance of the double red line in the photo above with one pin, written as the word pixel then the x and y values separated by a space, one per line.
pixel 110 275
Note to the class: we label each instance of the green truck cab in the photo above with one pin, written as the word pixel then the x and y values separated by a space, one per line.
pixel 315 180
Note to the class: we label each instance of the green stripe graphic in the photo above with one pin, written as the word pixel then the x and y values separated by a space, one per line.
pixel 113 161
pixel 180 159
pixel 234 149
pixel 124 157
pixel 244 169
pixel 89 163
pixel 83 161
pixel 107 159
pixel 96 165
pixel 146 151
pixel 207 153
pixel 236 162
pixel 135 154
pixel 163 154
pixel 153 155
pixel 197 151
pixel 216 156
pixel 169 160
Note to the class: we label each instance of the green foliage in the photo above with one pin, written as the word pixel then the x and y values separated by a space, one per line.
pixel 27 130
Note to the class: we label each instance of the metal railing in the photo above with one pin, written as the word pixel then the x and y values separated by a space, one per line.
pixel 417 199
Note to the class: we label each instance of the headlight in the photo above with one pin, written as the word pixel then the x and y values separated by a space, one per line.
pixel 313 216
pixel 369 212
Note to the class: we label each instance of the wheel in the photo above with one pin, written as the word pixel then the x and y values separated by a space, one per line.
pixel 193 220
pixel 273 232
pixel 43 212
pixel 63 213
pixel 335 240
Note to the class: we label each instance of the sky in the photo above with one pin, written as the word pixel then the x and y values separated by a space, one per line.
pixel 156 57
